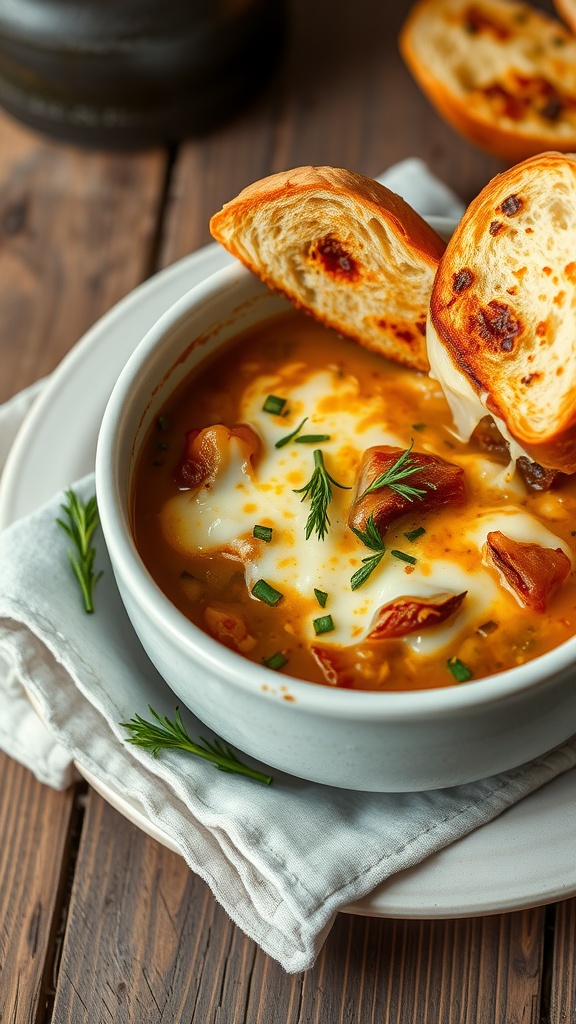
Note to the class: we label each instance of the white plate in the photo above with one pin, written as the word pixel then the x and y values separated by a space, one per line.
pixel 524 858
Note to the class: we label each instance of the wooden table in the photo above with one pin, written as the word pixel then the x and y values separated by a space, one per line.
pixel 98 922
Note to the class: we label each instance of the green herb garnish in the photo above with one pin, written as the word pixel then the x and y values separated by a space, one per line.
pixel 319 490
pixel 402 468
pixel 162 423
pixel 321 596
pixel 264 592
pixel 82 520
pixel 371 539
pixel 166 735
pixel 413 535
pixel 290 437
pixel 274 405
pixel 418 426
pixel 404 557
pixel 312 438
pixel 323 625
pixel 276 661
pixel 459 670
pixel 262 533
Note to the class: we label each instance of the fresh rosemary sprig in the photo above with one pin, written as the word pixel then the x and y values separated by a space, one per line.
pixel 371 539
pixel 319 490
pixel 82 520
pixel 392 477
pixel 166 735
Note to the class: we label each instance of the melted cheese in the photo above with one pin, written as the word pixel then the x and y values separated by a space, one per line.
pixel 222 517
pixel 467 407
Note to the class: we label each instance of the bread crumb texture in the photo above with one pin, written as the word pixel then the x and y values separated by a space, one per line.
pixel 342 247
pixel 501 72
pixel 504 304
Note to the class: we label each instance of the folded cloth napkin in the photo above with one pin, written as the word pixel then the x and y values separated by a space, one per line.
pixel 282 859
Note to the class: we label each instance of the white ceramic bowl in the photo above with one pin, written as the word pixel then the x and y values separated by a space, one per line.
pixel 355 740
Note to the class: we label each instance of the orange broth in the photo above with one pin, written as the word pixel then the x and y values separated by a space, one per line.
pixel 286 350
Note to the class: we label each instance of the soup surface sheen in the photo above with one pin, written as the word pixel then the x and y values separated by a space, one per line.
pixel 199 493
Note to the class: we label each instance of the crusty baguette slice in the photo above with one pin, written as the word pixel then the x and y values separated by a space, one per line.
pixel 501 72
pixel 502 329
pixel 342 247
pixel 567 10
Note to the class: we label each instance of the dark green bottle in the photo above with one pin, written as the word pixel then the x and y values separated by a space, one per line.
pixel 127 73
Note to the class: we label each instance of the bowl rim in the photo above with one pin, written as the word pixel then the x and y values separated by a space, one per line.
pixel 204 649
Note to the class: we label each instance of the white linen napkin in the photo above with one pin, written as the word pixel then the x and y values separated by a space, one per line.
pixel 281 860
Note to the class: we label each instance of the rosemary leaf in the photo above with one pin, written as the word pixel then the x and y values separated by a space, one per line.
pixel 290 437
pixel 392 477
pixel 319 490
pixel 366 569
pixel 80 523
pixel 371 537
pixel 163 734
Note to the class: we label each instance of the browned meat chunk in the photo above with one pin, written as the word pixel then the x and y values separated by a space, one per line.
pixel 437 484
pixel 534 573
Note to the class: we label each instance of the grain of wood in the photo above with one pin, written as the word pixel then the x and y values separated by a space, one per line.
pixel 35 826
pixel 342 97
pixel 76 230
pixel 157 948
pixel 562 995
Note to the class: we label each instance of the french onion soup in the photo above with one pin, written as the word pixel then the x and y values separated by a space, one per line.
pixel 308 504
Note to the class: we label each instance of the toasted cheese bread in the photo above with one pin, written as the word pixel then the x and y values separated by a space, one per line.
pixel 342 247
pixel 502 329
pixel 501 72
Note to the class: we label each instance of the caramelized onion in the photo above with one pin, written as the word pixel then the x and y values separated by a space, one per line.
pixel 532 572
pixel 441 481
pixel 405 615
pixel 207 452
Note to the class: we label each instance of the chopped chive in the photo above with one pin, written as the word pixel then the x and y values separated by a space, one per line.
pixel 418 426
pixel 404 557
pixel 262 533
pixel 290 437
pixel 276 661
pixel 274 404
pixel 162 446
pixel 323 625
pixel 312 438
pixel 413 535
pixel 321 596
pixel 162 423
pixel 459 670
pixel 264 592
pixel 573 533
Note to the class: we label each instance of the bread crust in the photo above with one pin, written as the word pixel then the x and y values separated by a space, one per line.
pixel 500 72
pixel 567 10
pixel 342 247
pixel 503 306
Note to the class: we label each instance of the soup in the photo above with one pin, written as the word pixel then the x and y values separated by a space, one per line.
pixel 308 504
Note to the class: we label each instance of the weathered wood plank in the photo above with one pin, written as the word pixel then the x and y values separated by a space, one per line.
pixel 343 97
pixel 76 232
pixel 147 942
pixel 562 994
pixel 35 827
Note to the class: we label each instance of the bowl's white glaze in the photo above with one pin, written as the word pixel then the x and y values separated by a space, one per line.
pixel 355 740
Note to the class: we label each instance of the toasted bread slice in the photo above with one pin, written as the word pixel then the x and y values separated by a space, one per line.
pixel 502 328
pixel 501 72
pixel 344 248
pixel 567 10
